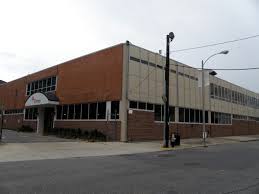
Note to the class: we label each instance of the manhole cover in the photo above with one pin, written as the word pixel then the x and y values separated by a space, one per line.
pixel 192 164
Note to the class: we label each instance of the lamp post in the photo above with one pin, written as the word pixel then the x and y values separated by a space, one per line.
pixel 165 97
pixel 203 93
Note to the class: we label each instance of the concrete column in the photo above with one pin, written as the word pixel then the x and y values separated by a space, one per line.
pixel 176 114
pixel 209 117
pixel 124 97
pixel 40 121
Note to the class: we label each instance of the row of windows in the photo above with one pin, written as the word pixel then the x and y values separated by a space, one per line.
pixel 242 117
pixel 228 95
pixel 159 113
pixel 161 67
pixel 141 105
pixel 220 118
pixel 31 113
pixel 253 118
pixel 187 115
pixel 44 85
pixel 91 111
pixel 13 111
pixel 239 117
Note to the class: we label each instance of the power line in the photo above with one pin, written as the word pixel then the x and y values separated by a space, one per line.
pixel 215 44
pixel 222 69
pixel 236 69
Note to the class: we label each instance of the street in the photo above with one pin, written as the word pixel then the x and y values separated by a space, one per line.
pixel 228 168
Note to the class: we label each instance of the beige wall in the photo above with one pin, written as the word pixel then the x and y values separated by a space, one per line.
pixel 146 84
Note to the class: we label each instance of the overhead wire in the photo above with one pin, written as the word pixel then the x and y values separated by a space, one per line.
pixel 215 44
pixel 205 46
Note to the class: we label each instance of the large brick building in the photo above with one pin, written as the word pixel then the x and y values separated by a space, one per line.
pixel 118 91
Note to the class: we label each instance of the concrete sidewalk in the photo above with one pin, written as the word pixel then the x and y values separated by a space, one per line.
pixel 55 150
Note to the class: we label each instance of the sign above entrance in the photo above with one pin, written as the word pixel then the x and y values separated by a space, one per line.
pixel 40 99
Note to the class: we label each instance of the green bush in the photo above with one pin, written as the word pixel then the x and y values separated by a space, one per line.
pixel 26 128
pixel 70 133
pixel 97 135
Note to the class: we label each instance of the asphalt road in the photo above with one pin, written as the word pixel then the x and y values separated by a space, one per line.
pixel 229 168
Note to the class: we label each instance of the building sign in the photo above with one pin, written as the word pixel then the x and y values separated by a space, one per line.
pixel 38 99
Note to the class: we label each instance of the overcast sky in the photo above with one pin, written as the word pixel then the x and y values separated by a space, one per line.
pixel 39 34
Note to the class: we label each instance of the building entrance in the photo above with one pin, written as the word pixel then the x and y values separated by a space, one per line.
pixel 48 118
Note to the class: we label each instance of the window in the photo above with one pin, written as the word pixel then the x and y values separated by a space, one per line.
pixel 134 59
pixel 13 111
pixel 171 114
pixel 85 111
pixel 152 64
pixel 216 91
pixel 181 114
pixel 197 116
pixel 133 104
pixel 115 109
pixel 150 106
pixel 142 105
pixel 192 115
pixel 158 113
pixel 64 112
pixel 212 90
pixel 71 110
pixel 92 110
pixel 77 111
pixel 206 117
pixel 35 113
pixel 26 113
pixel 144 62
pixel 201 116
pixel 44 85
pixel 49 82
pixel 101 110
pixel 187 115
pixel 59 112
pixel 31 113
pixel 212 117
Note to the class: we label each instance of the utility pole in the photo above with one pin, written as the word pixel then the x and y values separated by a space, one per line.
pixel 169 38
pixel 203 106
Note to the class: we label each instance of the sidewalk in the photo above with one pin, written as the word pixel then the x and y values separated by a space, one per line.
pixel 55 150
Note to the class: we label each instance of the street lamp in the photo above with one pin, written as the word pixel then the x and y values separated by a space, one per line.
pixel 169 38
pixel 203 92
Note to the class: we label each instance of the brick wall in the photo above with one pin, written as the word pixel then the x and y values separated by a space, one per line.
pixel 141 126
pixel 111 129
pixel 16 121
pixel 90 78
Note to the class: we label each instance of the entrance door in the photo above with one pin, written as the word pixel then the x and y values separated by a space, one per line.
pixel 48 118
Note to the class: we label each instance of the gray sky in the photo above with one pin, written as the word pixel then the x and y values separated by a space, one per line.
pixel 39 34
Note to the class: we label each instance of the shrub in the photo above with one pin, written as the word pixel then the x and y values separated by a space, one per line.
pixel 97 135
pixel 26 128
pixel 70 133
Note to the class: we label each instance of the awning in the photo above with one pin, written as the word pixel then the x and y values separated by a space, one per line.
pixel 42 99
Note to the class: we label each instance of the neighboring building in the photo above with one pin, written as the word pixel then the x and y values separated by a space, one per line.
pixel 119 91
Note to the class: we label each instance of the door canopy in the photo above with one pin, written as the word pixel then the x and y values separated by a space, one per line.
pixel 42 99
